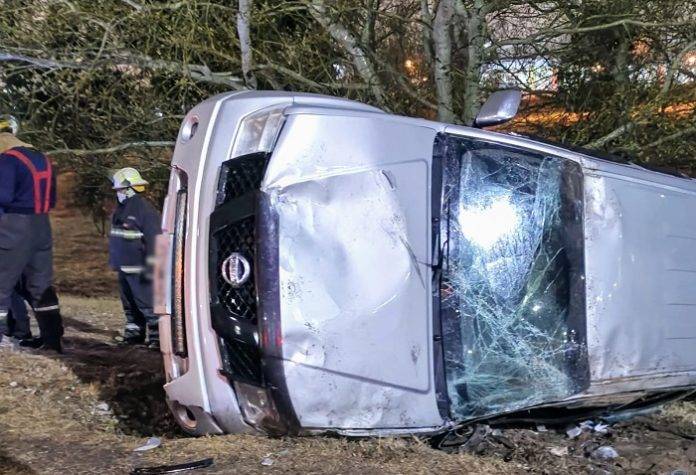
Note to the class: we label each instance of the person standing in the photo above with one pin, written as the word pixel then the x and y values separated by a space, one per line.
pixel 27 194
pixel 134 227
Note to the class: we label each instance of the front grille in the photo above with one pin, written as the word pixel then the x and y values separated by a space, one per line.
pixel 237 237
pixel 240 176
pixel 242 361
pixel 233 230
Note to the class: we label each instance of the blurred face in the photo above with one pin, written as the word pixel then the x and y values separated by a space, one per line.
pixel 123 194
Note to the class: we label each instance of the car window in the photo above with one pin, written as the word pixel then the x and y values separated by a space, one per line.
pixel 512 293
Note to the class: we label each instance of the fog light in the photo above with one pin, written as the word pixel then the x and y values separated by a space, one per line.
pixel 258 409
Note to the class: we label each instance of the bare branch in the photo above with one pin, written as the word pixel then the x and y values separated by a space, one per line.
pixel 309 82
pixel 674 67
pixel 616 133
pixel 669 138
pixel 133 4
pixel 552 32
pixel 115 148
pixel 196 72
pixel 7 56
pixel 361 60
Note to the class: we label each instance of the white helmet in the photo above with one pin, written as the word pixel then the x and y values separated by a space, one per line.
pixel 9 123
pixel 128 178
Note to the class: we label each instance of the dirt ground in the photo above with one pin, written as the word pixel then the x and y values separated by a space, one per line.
pixel 86 410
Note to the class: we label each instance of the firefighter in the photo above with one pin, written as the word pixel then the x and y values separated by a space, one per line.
pixel 27 194
pixel 134 226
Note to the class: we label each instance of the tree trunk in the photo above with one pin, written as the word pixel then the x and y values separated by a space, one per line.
pixel 442 64
pixel 243 31
pixel 475 50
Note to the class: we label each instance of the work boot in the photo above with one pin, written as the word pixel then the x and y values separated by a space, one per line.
pixel 51 327
pixel 32 342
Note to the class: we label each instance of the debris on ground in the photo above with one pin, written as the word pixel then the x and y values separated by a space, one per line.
pixel 152 443
pixel 573 432
pixel 559 451
pixel 181 467
pixel 604 452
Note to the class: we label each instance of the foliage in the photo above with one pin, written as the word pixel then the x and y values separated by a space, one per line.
pixel 103 84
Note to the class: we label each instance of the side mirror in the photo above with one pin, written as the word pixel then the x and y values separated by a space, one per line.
pixel 499 108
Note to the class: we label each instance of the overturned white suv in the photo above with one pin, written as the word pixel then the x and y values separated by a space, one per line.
pixel 328 267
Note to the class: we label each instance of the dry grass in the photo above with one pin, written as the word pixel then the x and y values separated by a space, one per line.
pixel 80 256
pixel 51 422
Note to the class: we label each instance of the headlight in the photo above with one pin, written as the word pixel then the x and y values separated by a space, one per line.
pixel 258 132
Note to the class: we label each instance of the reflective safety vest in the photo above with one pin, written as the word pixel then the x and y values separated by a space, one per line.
pixel 42 204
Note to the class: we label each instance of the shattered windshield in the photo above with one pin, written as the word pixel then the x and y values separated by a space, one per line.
pixel 512 290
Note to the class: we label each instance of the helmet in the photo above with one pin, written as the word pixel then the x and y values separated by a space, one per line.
pixel 128 178
pixel 9 123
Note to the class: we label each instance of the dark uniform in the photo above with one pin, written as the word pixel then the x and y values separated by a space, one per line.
pixel 27 194
pixel 134 227
pixel 18 326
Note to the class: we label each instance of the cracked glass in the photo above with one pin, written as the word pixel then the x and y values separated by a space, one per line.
pixel 512 287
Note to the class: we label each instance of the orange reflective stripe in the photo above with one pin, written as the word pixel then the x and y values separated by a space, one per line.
pixel 37 177
pixel 49 173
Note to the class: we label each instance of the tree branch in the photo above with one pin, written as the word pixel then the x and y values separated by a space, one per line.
pixel 361 60
pixel 551 32
pixel 197 72
pixel 616 133
pixel 669 138
pixel 115 148
pixel 674 67
pixel 309 82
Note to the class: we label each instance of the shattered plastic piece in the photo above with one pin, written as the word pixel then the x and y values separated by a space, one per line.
pixel 601 428
pixel 587 425
pixel 267 461
pixel 573 432
pixel 630 414
pixel 183 467
pixel 152 443
pixel 559 451
pixel 604 452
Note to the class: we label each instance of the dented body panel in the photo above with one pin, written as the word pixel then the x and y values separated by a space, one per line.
pixel 341 327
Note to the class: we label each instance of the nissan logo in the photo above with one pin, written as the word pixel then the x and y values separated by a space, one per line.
pixel 236 270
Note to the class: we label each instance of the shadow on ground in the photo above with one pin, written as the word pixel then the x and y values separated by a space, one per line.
pixel 129 378
pixel 9 465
